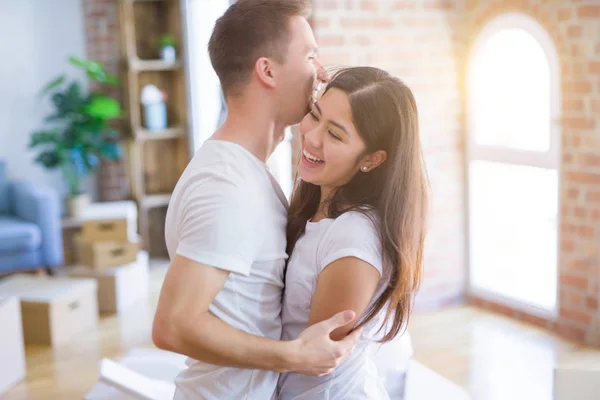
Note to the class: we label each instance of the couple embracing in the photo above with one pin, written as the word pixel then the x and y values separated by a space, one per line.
pixel 306 300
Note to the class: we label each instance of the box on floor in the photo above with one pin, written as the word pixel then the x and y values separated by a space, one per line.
pixel 12 352
pixel 101 255
pixel 110 221
pixel 53 310
pixel 118 287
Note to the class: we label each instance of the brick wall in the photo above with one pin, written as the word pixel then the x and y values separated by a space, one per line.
pixel 575 29
pixel 103 45
pixel 415 41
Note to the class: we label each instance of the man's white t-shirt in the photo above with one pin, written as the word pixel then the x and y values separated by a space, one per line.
pixel 227 211
pixel 370 371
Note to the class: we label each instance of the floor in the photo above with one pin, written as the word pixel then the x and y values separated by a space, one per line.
pixel 490 356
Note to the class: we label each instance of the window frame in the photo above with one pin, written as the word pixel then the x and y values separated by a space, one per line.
pixel 549 159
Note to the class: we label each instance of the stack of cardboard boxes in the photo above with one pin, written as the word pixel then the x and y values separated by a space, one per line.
pixel 108 250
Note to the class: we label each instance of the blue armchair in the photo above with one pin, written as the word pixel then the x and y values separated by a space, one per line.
pixel 30 226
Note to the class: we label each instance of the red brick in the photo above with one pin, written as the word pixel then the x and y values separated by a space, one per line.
pixel 591 11
pixel 534 320
pixel 573 281
pixel 574 31
pixel 369 5
pixel 580 87
pixel 572 298
pixel 583 177
pixel 567 246
pixel 594 67
pixel 591 160
pixel 438 4
pixel 404 4
pixel 568 228
pixel 331 40
pixel 326 5
pixel 592 197
pixel 595 215
pixel 586 231
pixel 580 212
pixel 592 303
pixel 596 106
pixel 574 333
pixel 321 22
pixel 564 14
pixel 573 193
pixel 572 104
pixel 576 316
pixel 361 41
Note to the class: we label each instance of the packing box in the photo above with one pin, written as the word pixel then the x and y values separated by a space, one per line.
pixel 118 287
pixel 110 221
pixel 108 254
pixel 12 352
pixel 53 310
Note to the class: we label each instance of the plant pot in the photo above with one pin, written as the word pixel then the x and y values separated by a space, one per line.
pixel 76 205
pixel 168 54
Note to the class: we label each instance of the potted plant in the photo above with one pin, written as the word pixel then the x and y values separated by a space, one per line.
pixel 167 44
pixel 78 135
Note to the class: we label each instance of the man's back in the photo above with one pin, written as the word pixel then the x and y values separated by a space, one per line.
pixel 228 212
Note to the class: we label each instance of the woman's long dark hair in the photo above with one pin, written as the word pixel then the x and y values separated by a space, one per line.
pixel 385 114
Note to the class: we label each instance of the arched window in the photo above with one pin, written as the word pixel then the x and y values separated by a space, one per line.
pixel 513 160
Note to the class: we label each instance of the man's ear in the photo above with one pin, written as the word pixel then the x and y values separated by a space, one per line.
pixel 263 68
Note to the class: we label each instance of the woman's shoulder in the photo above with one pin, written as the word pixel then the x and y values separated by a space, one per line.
pixel 360 219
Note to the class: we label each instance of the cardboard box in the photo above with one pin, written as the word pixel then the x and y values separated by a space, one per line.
pixel 103 255
pixel 53 310
pixel 115 230
pixel 12 352
pixel 110 221
pixel 118 287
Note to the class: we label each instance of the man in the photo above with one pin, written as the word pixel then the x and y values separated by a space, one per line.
pixel 226 224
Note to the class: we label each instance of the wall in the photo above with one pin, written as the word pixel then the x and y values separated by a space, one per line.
pixel 39 36
pixel 575 29
pixel 102 41
pixel 415 41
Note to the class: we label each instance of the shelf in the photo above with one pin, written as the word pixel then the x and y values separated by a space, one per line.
pixel 153 65
pixel 155 200
pixel 169 133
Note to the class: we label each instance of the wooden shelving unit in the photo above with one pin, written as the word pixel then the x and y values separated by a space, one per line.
pixel 156 159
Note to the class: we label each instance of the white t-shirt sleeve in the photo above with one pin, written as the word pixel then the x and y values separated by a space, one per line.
pixel 352 234
pixel 220 225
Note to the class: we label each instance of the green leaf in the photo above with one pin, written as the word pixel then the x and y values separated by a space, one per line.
pixel 94 70
pixel 48 159
pixel 56 82
pixel 103 107
pixel 42 137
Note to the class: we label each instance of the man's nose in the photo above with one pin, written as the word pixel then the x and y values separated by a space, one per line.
pixel 322 74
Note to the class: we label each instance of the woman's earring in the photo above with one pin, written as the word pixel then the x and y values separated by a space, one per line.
pixel 365 168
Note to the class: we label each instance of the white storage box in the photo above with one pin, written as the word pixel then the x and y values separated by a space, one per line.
pixel 110 221
pixel 12 353
pixel 118 287
pixel 53 310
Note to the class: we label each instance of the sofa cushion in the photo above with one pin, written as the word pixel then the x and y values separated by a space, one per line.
pixel 17 235
pixel 4 195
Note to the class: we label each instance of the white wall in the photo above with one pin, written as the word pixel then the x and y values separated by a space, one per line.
pixel 37 37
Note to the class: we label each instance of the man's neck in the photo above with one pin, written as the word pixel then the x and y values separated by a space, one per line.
pixel 253 126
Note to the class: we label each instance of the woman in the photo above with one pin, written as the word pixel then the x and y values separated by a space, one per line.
pixel 356 226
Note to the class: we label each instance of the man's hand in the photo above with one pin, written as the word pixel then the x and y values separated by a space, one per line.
pixel 316 353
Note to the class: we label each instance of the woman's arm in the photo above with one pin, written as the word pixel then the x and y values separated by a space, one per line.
pixel 346 284
pixel 184 325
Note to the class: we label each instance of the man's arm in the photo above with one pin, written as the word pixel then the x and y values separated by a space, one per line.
pixel 184 325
